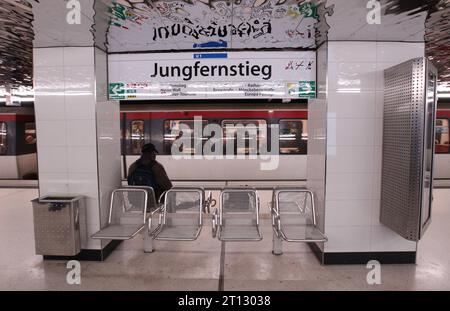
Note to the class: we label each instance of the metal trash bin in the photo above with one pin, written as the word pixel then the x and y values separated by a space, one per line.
pixel 57 225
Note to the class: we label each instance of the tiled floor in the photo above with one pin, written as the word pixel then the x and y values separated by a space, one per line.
pixel 196 265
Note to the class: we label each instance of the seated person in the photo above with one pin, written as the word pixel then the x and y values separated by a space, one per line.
pixel 146 171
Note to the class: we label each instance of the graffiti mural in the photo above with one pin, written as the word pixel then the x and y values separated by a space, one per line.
pixel 211 24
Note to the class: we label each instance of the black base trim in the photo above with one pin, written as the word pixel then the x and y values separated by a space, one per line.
pixel 362 258
pixel 89 254
pixel 365 257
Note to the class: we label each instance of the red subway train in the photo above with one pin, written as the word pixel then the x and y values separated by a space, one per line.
pixel 144 123
pixel 161 124
pixel 17 143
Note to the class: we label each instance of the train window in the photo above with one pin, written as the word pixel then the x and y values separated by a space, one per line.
pixel 175 129
pixel 442 136
pixel 30 133
pixel 137 136
pixel 232 128
pixel 3 138
pixel 293 136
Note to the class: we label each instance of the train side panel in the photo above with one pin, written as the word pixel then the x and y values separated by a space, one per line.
pixel 287 167
pixel 18 158
pixel 8 167
pixel 279 167
pixel 442 166
pixel 27 164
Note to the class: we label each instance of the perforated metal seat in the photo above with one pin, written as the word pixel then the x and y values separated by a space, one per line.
pixel 127 213
pixel 294 216
pixel 180 218
pixel 152 201
pixel 237 218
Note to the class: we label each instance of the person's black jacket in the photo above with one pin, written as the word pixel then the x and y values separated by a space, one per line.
pixel 161 180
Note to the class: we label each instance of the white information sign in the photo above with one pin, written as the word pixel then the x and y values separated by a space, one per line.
pixel 212 75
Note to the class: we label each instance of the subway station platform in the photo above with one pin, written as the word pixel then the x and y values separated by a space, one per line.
pixel 206 265
pixel 224 145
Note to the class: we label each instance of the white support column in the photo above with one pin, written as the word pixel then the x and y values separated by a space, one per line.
pixel 345 144
pixel 78 130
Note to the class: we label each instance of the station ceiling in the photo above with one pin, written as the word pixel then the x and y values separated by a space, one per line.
pixel 174 25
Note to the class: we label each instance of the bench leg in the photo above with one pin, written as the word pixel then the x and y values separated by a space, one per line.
pixel 148 243
pixel 277 245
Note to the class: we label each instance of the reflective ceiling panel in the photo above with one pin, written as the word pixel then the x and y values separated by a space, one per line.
pixel 16 41
pixel 437 38
pixel 171 25
pixel 349 22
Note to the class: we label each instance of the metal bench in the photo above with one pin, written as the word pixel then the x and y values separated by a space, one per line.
pixel 181 216
pixel 294 217
pixel 237 218
pixel 128 213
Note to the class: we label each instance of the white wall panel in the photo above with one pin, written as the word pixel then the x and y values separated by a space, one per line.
pixel 288 167
pixel 81 132
pixel 322 69
pixel 395 52
pixel 350 212
pixel 350 159
pixel 348 239
pixel 316 171
pixel 108 138
pixel 351 105
pixel 349 186
pixel 68 118
pixel 48 57
pixel 355 126
pixel 80 107
pixel 354 52
pixel 78 56
pixel 52 133
pixel 53 183
pixel 351 131
pixel 351 76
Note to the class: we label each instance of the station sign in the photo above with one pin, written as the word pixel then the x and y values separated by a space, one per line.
pixel 143 76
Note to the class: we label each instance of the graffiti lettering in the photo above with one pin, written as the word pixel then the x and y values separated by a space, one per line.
pixel 119 14
pixel 219 23
pixel 292 33
pixel 262 11
pixel 299 65
pixel 244 29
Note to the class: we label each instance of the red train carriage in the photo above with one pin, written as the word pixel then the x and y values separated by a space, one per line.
pixel 17 143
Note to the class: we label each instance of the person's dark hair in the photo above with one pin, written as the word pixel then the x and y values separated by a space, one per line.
pixel 148 148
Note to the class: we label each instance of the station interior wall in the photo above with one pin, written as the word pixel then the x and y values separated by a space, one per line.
pixel 79 130
pixel 79 142
pixel 350 97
